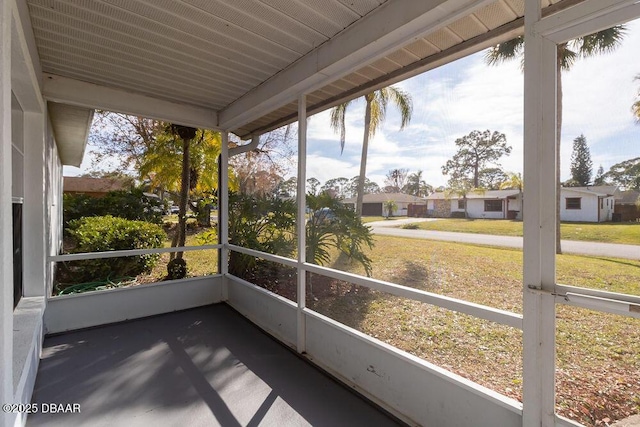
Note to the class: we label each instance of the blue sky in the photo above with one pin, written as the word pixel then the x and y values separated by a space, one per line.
pixel 466 95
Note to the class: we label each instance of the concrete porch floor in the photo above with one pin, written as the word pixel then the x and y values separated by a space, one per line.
pixel 202 367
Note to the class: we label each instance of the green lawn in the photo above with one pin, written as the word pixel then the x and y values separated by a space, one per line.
pixel 366 219
pixel 606 232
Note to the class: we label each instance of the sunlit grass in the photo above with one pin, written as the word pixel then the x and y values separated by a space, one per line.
pixel 606 232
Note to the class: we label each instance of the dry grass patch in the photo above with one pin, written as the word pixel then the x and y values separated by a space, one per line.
pixel 598 368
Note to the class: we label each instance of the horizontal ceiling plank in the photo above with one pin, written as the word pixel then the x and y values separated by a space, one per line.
pixel 88 95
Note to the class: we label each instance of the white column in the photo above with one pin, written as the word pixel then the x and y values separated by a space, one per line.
pixel 34 209
pixel 6 228
pixel 223 214
pixel 539 223
pixel 301 225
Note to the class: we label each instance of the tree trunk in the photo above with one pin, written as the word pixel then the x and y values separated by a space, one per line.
pixel 558 138
pixel 184 196
pixel 363 159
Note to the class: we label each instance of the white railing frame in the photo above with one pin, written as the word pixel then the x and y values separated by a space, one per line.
pixel 128 252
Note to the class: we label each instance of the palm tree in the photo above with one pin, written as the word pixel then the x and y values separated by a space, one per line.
pixel 514 182
pixel 604 41
pixel 636 105
pixel 375 112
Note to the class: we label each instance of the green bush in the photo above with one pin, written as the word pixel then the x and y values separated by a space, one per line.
pixel 412 226
pixel 130 204
pixel 108 233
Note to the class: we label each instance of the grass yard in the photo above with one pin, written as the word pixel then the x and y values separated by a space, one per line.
pixel 606 232
pixel 598 355
pixel 367 219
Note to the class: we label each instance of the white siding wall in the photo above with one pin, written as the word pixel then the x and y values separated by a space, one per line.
pixel 588 211
pixel 475 209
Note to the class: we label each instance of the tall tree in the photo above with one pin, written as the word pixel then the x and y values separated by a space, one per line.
pixel 416 186
pixel 636 105
pixel 370 187
pixel 581 164
pixel 625 174
pixel 338 187
pixel 375 112
pixel 475 151
pixel 312 186
pixel 492 178
pixel 599 179
pixel 583 47
pixel 396 180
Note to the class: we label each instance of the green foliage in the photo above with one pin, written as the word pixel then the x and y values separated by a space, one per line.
pixel 581 164
pixel 347 233
pixel 177 269
pixel 267 224
pixel 475 151
pixel 263 223
pixel 390 206
pixel 207 237
pixel 412 226
pixel 129 204
pixel 108 233
pixel 625 174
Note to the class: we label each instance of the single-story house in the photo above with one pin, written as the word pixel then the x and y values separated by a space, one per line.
pixel 373 204
pixel 626 208
pixel 579 204
pixel 495 204
pixel 587 204
pixel 94 187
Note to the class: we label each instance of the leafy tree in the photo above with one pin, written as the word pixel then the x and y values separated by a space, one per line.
pixel 375 112
pixel 491 178
pixel 583 47
pixel 475 151
pixel 288 187
pixel 396 180
pixel 312 185
pixel 336 186
pixel 625 174
pixel 599 179
pixel 460 187
pixel 370 187
pixel 390 207
pixel 513 181
pixel 416 186
pixel 581 164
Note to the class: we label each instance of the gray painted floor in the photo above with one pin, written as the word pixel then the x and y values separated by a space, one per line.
pixel 202 367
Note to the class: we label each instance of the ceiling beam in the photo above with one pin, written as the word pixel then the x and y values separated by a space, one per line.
pixel 82 94
pixel 391 26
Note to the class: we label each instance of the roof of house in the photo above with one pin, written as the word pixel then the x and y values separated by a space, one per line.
pixel 628 197
pixel 488 194
pixel 601 190
pixel 383 197
pixel 83 184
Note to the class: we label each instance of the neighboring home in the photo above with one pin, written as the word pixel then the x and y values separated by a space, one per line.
pixel 579 204
pixel 495 204
pixel 627 208
pixel 94 187
pixel 373 204
pixel 587 204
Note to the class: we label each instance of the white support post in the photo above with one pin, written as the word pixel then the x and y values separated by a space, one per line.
pixel 223 214
pixel 35 214
pixel 301 223
pixel 6 228
pixel 539 223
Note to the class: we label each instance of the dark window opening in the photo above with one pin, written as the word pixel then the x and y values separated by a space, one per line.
pixel 574 203
pixel 493 205
pixel 461 203
pixel 17 253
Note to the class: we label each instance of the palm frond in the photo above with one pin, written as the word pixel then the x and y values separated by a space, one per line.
pixel 403 101
pixel 604 41
pixel 505 51
pixel 338 114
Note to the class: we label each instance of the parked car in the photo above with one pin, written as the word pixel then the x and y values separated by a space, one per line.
pixel 324 216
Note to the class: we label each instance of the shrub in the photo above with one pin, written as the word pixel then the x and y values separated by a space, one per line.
pixel 458 215
pixel 412 226
pixel 176 269
pixel 108 233
pixel 129 204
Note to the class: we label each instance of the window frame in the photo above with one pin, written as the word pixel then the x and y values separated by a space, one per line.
pixel 487 204
pixel 573 208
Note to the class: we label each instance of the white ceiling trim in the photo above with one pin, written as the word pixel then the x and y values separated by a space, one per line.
pixel 82 94
pixel 388 28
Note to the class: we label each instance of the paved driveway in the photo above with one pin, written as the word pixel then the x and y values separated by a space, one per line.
pixel 391 228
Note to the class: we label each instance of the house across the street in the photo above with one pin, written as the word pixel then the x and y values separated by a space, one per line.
pixel 627 207
pixel 493 204
pixel 94 187
pixel 373 204
pixel 579 204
